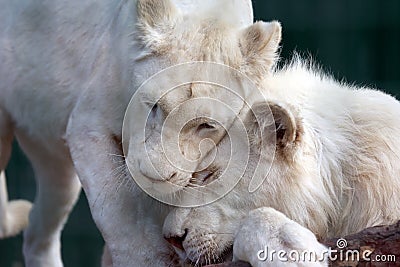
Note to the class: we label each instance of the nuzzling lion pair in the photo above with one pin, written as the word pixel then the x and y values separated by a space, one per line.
pixel 68 70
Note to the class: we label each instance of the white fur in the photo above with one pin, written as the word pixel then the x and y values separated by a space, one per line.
pixel 14 214
pixel 68 70
pixel 336 176
pixel 277 233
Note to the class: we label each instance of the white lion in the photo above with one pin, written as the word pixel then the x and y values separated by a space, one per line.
pixel 68 70
pixel 335 170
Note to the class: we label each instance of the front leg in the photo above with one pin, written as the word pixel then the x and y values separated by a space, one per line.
pixel 149 249
pixel 268 238
pixel 129 220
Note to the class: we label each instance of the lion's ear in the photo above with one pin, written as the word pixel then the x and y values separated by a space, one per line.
pixel 259 44
pixel 154 18
pixel 274 122
pixel 155 13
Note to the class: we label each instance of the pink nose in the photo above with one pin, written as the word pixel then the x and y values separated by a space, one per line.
pixel 177 241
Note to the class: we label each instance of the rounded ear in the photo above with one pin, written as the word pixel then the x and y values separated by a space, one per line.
pixel 154 19
pixel 271 121
pixel 155 12
pixel 285 124
pixel 259 45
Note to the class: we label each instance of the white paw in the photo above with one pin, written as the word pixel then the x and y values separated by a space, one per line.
pixel 16 218
pixel 269 238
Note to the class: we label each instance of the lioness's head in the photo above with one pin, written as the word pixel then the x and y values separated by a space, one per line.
pixel 281 147
pixel 180 114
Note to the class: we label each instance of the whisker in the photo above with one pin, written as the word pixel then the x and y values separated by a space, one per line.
pixel 117 155
pixel 216 257
pixel 117 170
pixel 198 257
pixel 194 194
pixel 206 187
pixel 194 188
pixel 218 233
pixel 119 161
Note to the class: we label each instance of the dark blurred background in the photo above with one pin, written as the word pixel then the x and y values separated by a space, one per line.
pixel 357 41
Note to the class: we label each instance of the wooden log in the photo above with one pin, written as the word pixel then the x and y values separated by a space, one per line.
pixel 231 264
pixel 377 246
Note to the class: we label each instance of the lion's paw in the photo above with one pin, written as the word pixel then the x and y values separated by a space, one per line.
pixel 268 238
pixel 16 218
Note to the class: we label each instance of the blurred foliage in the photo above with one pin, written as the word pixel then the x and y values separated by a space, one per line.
pixel 358 41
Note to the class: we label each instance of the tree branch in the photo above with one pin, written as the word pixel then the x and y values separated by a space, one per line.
pixel 376 243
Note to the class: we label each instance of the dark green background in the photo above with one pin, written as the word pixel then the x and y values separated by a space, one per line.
pixel 355 40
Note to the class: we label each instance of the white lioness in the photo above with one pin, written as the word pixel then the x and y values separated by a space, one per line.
pixel 335 171
pixel 68 70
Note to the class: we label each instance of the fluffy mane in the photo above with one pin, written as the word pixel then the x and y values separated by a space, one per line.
pixel 341 156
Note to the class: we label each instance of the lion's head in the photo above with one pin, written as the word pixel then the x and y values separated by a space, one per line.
pixel 174 112
pixel 278 135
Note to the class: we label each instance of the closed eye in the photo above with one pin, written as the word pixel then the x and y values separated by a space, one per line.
pixel 153 112
pixel 205 126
